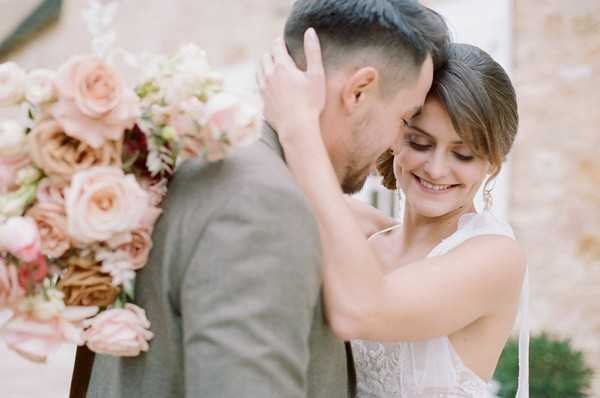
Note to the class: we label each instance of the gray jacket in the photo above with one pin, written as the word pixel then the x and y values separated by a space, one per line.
pixel 233 291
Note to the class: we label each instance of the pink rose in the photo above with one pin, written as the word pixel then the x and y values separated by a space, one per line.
pixel 225 121
pixel 9 167
pixel 35 339
pixel 103 202
pixel 20 237
pixel 10 289
pixel 228 114
pixel 119 331
pixel 52 190
pixel 94 104
pixel 52 225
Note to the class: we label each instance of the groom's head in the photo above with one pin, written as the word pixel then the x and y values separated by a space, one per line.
pixel 379 57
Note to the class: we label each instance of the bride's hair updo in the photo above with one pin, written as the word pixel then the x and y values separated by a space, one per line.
pixel 481 102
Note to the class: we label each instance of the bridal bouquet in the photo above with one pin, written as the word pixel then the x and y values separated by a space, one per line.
pixel 82 176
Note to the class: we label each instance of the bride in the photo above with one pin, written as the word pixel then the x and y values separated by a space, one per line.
pixel 429 303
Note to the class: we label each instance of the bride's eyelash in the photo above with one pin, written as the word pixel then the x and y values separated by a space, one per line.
pixel 463 158
pixel 426 147
pixel 419 147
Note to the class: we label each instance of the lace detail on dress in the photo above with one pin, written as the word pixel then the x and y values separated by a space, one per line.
pixel 431 368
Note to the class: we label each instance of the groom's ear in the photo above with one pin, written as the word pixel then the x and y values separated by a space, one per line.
pixel 359 87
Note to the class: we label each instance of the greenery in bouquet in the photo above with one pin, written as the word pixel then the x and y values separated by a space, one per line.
pixel 84 145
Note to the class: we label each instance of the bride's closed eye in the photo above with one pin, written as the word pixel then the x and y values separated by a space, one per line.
pixel 418 142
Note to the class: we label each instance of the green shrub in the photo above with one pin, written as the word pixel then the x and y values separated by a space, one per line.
pixel 556 370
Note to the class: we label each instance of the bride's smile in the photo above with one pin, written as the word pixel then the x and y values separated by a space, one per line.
pixel 436 170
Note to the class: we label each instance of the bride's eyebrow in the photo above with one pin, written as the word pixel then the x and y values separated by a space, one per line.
pixel 420 130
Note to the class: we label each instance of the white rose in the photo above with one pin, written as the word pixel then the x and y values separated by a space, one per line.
pixel 12 84
pixel 13 141
pixel 46 308
pixel 39 86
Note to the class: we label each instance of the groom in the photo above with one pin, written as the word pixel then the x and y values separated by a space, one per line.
pixel 233 286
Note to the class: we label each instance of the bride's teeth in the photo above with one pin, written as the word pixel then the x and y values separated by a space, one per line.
pixel 434 187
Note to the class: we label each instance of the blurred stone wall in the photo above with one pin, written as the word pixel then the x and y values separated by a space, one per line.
pixel 232 31
pixel 556 170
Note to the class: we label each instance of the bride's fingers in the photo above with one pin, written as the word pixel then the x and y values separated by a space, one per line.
pixel 312 50
pixel 280 53
pixel 267 65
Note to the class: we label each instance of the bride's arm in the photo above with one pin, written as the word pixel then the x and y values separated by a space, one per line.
pixel 432 297
pixel 370 219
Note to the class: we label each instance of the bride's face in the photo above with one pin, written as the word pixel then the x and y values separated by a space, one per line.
pixel 435 170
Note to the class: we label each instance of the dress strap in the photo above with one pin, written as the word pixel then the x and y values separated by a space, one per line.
pixel 523 387
pixel 383 231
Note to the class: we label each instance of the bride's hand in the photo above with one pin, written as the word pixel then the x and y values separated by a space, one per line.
pixel 293 99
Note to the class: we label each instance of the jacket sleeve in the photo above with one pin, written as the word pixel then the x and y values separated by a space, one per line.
pixel 248 298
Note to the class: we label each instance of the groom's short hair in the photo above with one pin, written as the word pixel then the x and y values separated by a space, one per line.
pixel 397 35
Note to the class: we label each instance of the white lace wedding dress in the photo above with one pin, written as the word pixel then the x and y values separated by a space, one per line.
pixel 432 368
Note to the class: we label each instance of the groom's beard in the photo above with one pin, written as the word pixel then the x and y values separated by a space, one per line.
pixel 355 179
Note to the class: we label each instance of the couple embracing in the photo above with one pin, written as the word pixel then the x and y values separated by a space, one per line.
pixel 266 280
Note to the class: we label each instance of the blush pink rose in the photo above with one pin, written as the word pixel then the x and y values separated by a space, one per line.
pixel 9 167
pixel 120 332
pixel 35 339
pixel 103 202
pixel 94 104
pixel 20 237
pixel 52 226
pixel 10 289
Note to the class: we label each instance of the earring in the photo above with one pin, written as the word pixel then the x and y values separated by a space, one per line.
pixel 488 199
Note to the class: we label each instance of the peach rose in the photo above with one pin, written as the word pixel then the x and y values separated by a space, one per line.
pixel 10 289
pixel 103 202
pixel 51 220
pixel 9 168
pixel 138 250
pixel 36 339
pixel 20 237
pixel 119 331
pixel 61 156
pixel 94 104
pixel 52 190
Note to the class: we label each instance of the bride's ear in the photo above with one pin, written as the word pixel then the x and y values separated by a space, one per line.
pixel 359 87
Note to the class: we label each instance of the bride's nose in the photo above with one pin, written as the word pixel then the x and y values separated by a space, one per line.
pixel 437 166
